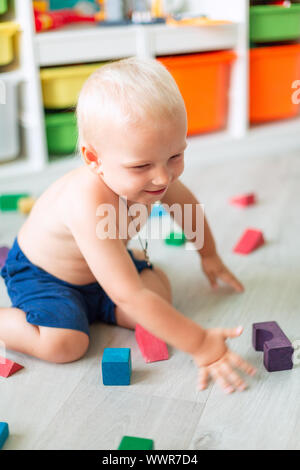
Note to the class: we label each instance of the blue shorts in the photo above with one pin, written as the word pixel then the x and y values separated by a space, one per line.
pixel 49 301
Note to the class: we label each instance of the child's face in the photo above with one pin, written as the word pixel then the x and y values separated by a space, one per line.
pixel 137 160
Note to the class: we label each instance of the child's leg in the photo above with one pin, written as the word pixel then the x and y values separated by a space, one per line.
pixel 50 344
pixel 157 281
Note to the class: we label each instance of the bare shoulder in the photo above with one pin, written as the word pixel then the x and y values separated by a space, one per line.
pixel 84 193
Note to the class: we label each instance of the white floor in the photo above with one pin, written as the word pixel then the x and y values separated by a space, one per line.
pixel 51 406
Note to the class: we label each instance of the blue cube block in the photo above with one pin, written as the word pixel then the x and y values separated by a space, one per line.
pixel 158 211
pixel 4 432
pixel 116 366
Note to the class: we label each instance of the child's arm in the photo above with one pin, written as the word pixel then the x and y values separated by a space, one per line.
pixel 212 264
pixel 113 268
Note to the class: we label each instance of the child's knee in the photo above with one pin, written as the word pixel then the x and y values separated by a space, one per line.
pixel 165 283
pixel 62 345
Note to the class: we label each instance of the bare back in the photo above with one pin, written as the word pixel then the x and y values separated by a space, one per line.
pixel 45 237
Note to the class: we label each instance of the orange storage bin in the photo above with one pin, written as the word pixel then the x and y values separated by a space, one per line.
pixel 203 80
pixel 272 72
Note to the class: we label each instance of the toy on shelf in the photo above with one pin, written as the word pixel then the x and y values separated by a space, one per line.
pixel 8 367
pixel 41 5
pixel 116 366
pixel 3 255
pixel 243 200
pixel 250 241
pixel 45 21
pixel 113 12
pixel 189 19
pixel 4 433
pixel 135 443
pixel 278 350
pixel 152 348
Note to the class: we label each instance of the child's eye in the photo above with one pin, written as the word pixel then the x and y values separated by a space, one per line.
pixel 140 167
pixel 176 156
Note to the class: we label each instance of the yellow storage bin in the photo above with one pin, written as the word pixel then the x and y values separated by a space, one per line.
pixel 61 85
pixel 7 32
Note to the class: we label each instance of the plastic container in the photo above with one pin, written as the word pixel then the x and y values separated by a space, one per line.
pixel 61 130
pixel 61 85
pixel 273 69
pixel 274 23
pixel 7 33
pixel 9 128
pixel 3 6
pixel 203 80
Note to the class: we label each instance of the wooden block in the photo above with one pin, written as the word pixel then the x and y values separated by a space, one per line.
pixel 9 202
pixel 8 367
pixel 25 204
pixel 152 348
pixel 116 366
pixel 135 443
pixel 3 255
pixel 243 200
pixel 4 433
pixel 278 350
pixel 250 241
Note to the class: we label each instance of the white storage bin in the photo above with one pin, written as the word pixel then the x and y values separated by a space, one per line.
pixel 9 128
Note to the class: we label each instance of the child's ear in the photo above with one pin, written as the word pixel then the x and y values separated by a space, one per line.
pixel 91 159
pixel 89 155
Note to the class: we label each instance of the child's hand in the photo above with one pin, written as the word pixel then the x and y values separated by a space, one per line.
pixel 214 269
pixel 216 360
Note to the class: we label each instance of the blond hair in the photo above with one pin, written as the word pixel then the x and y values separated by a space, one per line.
pixel 126 91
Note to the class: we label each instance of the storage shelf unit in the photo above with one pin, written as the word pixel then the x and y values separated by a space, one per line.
pixel 83 44
pixel 89 44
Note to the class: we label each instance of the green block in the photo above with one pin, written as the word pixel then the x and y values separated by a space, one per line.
pixel 135 443
pixel 9 202
pixel 175 238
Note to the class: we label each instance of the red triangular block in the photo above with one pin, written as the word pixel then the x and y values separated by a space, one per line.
pixel 152 348
pixel 8 367
pixel 250 241
pixel 243 200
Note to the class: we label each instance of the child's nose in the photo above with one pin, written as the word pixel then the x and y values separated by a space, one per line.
pixel 161 177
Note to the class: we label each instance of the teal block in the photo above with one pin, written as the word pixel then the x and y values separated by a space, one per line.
pixel 116 366
pixel 4 433
pixel 158 211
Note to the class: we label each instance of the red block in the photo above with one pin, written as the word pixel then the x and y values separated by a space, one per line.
pixel 8 367
pixel 250 241
pixel 152 348
pixel 243 200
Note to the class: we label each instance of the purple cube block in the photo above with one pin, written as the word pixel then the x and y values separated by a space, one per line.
pixel 3 255
pixel 278 351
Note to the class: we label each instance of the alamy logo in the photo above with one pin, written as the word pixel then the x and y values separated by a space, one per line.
pixel 190 218
pixel 296 94
pixel 2 92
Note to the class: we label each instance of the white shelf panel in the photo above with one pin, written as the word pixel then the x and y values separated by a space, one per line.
pixel 179 39
pixel 90 44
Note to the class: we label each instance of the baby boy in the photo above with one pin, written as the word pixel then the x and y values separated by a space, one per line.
pixel 63 273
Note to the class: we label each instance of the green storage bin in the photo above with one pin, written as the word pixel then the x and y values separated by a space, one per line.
pixel 3 6
pixel 61 130
pixel 274 23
